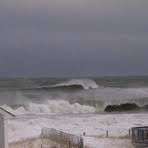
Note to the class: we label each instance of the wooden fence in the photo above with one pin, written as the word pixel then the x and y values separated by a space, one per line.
pixel 62 138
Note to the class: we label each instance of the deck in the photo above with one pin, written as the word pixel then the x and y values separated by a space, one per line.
pixel 140 137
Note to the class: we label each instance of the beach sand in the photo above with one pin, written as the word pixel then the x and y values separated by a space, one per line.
pixel 94 125
pixel 89 143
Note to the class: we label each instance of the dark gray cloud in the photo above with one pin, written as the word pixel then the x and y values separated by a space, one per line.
pixel 73 38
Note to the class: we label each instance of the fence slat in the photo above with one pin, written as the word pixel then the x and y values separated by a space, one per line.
pixel 140 136
pixel 59 136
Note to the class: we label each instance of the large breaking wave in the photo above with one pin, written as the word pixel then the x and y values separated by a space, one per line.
pixel 51 107
pixel 84 83
pixel 81 96
pixel 70 84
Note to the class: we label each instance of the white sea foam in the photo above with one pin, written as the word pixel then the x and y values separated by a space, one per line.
pixel 20 110
pixel 101 95
pixel 107 142
pixel 94 125
pixel 52 107
pixel 49 108
pixel 109 95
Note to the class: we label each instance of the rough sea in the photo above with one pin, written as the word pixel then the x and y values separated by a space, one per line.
pixel 53 95
pixel 74 105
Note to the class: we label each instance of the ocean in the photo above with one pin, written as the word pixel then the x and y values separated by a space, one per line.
pixel 46 93
pixel 74 105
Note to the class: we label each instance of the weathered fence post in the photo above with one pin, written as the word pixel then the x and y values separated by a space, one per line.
pixel 142 135
pixel 81 144
pixel 129 132
pixel 107 134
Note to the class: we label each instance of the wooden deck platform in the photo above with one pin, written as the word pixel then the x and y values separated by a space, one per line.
pixel 140 137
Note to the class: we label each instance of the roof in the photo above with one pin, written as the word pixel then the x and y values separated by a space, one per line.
pixel 5 112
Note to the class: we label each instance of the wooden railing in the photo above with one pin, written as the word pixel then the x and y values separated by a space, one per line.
pixel 140 136
pixel 72 141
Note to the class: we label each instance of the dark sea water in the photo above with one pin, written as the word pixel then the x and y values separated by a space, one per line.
pixel 96 92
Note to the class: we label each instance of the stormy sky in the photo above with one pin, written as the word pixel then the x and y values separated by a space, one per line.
pixel 59 38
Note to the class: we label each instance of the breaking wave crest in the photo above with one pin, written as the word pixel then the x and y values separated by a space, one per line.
pixel 84 83
pixel 68 84
pixel 51 107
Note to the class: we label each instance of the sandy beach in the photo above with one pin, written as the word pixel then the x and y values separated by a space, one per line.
pixel 95 127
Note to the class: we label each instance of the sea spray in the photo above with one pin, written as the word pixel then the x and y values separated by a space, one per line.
pixel 52 107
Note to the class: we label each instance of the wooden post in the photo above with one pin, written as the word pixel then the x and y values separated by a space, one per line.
pixel 129 132
pixel 81 143
pixel 107 134
pixel 142 135
pixel 3 132
pixel 3 127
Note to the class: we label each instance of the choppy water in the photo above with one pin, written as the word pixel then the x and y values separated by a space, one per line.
pixel 72 95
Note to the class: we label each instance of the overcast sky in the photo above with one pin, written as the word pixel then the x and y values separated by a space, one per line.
pixel 73 37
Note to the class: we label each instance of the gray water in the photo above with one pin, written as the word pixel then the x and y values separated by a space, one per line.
pixel 98 92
